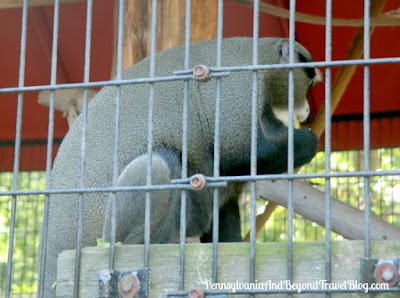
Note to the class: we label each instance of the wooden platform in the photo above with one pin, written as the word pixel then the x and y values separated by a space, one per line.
pixel 271 265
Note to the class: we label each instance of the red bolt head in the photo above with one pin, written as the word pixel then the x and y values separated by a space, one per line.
pixel 129 286
pixel 196 293
pixel 201 73
pixel 198 181
pixel 386 273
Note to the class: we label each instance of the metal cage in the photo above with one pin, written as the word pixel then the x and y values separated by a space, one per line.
pixel 216 181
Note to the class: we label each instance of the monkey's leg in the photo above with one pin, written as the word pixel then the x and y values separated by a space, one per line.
pixel 229 223
pixel 130 206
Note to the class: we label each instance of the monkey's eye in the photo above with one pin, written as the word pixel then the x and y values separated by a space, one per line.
pixel 310 71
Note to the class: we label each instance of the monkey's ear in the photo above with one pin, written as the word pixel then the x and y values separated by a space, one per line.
pixel 284 54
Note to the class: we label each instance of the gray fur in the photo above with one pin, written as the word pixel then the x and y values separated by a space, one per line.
pixel 235 132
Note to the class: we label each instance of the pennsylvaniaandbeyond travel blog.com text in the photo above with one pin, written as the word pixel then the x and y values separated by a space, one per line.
pixel 287 285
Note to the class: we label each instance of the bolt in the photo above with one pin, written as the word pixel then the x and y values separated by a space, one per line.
pixel 198 181
pixel 196 293
pixel 201 73
pixel 128 286
pixel 386 273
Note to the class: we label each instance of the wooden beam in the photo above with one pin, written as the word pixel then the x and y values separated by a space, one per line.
pixel 233 264
pixel 309 202
pixel 346 73
pixel 19 3
pixel 67 101
pixel 391 18
pixel 170 27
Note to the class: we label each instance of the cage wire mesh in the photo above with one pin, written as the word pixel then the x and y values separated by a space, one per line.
pixel 22 200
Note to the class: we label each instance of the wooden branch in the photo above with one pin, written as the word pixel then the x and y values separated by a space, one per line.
pixel 18 3
pixel 309 202
pixel 68 101
pixel 346 73
pixel 391 18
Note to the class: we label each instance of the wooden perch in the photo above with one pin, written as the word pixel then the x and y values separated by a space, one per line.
pixel 309 202
pixel 391 18
pixel 68 101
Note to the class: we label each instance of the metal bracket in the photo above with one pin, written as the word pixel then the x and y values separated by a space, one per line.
pixel 125 284
pixel 202 73
pixel 381 271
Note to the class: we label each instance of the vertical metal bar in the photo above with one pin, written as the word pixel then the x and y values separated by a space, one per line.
pixel 366 128
pixel 53 81
pixel 328 57
pixel 217 144
pixel 182 232
pixel 290 140
pixel 150 135
pixel 17 149
pixel 116 133
pixel 253 155
pixel 86 75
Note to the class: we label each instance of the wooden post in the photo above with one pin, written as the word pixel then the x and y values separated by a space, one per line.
pixel 170 27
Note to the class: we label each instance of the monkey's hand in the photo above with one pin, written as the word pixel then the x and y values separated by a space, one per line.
pixel 305 146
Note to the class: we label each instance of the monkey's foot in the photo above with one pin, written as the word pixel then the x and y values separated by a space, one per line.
pixel 192 239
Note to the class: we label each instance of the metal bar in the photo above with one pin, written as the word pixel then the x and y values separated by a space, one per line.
pixel 328 136
pixel 367 207
pixel 253 150
pixel 217 144
pixel 222 71
pixel 336 63
pixel 289 291
pixel 118 76
pixel 248 178
pixel 50 135
pixel 184 194
pixel 86 75
pixel 214 182
pixel 291 140
pixel 107 189
pixel 18 127
pixel 147 216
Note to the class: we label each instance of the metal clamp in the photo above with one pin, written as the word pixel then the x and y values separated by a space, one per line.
pixel 202 73
pixel 125 284
pixel 380 271
pixel 198 182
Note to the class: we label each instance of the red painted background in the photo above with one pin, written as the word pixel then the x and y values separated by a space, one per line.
pixel 385 87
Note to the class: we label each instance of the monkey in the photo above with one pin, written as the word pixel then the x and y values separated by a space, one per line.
pixel 166 158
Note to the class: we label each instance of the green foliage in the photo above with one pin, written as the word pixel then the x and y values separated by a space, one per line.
pixel 27 225
pixel 384 194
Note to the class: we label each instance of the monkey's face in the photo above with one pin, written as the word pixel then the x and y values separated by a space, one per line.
pixel 277 84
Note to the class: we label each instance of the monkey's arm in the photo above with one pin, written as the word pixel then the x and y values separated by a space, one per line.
pixel 272 149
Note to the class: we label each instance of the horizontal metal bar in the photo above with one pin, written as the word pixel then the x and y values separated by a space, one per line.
pixel 95 84
pixel 107 83
pixel 106 189
pixel 221 71
pixel 212 182
pixel 288 291
pixel 292 176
